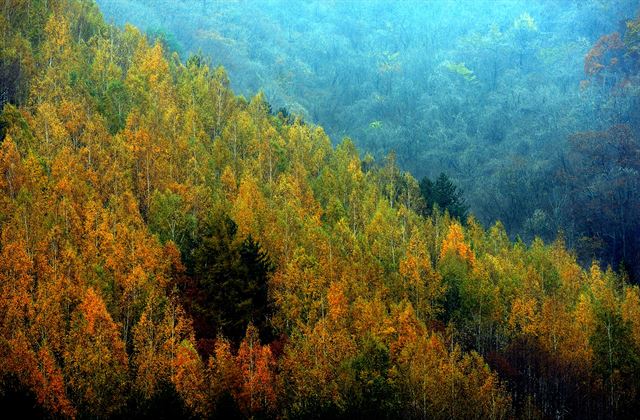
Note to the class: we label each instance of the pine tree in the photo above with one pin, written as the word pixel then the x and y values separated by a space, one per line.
pixel 444 194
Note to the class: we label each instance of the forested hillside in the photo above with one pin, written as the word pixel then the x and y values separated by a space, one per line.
pixel 489 92
pixel 169 249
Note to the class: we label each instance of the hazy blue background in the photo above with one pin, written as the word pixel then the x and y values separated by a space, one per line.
pixel 486 91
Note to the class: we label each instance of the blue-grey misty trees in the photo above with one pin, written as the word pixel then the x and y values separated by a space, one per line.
pixel 486 91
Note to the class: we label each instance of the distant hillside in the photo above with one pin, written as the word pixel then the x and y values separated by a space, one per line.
pixel 488 92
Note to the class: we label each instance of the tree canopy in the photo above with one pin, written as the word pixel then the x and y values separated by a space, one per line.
pixel 170 248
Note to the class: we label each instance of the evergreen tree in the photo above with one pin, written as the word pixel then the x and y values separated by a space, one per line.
pixel 230 282
pixel 445 195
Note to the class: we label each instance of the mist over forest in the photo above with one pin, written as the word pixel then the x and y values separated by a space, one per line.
pixel 320 209
pixel 488 92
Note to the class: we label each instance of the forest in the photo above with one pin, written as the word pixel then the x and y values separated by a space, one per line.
pixel 172 249
pixel 496 94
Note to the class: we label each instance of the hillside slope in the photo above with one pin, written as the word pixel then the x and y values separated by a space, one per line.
pixel 170 249
pixel 489 92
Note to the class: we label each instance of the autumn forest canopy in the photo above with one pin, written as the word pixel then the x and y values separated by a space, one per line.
pixel 320 209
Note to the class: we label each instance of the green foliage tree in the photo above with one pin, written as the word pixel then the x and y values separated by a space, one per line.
pixel 230 282
pixel 444 194
pixel 374 390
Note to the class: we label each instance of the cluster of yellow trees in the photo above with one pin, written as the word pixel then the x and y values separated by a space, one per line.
pixel 114 151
